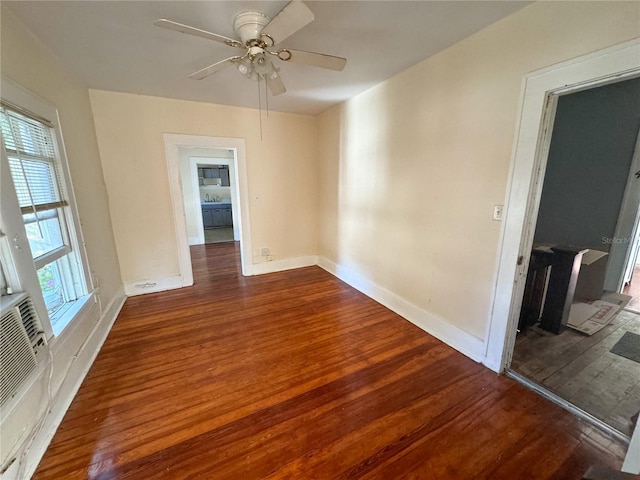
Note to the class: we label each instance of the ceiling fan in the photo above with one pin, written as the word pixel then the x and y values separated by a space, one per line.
pixel 258 34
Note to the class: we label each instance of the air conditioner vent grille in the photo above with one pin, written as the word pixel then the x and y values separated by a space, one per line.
pixel 17 358
pixel 29 319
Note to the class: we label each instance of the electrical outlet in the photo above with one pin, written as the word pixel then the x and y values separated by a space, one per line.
pixel 264 251
pixel 497 212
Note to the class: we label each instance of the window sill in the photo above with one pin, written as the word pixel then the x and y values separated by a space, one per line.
pixel 67 314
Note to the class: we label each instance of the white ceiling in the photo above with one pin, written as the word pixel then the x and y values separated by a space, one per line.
pixel 113 45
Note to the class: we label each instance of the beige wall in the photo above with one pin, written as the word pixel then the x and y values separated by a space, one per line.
pixel 27 62
pixel 411 169
pixel 282 172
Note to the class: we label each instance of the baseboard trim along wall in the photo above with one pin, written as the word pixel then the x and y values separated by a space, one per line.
pixel 453 336
pixel 78 367
pixel 140 287
pixel 285 264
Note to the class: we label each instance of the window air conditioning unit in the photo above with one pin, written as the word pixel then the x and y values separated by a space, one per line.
pixel 21 341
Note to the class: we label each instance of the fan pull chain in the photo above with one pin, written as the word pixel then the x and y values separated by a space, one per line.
pixel 260 109
pixel 266 96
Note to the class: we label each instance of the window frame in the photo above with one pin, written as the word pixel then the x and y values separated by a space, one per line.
pixel 21 275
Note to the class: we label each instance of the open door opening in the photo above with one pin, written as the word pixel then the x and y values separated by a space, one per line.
pixel 210 194
pixel 196 146
pixel 576 337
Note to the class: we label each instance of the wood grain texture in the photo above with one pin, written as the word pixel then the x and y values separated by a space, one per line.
pixel 296 375
pixel 582 369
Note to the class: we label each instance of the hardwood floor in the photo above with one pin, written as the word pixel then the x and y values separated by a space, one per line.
pixel 297 375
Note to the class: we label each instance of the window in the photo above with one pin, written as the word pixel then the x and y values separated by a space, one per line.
pixel 35 167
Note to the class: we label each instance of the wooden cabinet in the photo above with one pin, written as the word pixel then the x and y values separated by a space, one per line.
pixel 221 172
pixel 227 219
pixel 224 176
pixel 207 219
pixel 216 215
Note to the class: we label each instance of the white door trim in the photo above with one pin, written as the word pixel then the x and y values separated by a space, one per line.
pixel 539 97
pixel 193 174
pixel 172 143
pixel 626 226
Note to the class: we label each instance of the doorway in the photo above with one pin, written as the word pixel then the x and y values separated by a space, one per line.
pixel 572 332
pixel 541 90
pixel 210 194
pixel 174 143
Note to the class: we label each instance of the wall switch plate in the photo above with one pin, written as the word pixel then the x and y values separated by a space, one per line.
pixel 497 212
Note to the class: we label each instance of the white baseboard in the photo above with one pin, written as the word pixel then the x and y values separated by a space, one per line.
pixel 493 363
pixel 141 287
pixel 453 336
pixel 70 384
pixel 286 264
pixel 195 240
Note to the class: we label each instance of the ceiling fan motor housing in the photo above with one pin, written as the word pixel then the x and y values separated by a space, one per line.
pixel 248 25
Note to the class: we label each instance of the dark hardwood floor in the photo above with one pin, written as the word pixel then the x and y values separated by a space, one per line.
pixel 297 375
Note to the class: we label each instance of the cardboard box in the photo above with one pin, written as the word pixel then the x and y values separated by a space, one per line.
pixel 593 267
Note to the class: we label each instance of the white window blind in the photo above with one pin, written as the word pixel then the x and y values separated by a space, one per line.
pixel 32 159
pixel 31 152
pixel 37 166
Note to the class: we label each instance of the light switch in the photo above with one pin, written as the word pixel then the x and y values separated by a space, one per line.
pixel 497 212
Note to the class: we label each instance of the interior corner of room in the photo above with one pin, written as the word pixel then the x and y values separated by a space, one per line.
pixel 391 192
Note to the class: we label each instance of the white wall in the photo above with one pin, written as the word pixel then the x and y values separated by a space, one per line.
pixel 282 172
pixel 411 169
pixel 28 63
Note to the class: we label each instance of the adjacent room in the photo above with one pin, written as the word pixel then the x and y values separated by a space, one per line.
pixel 287 239
pixel 588 354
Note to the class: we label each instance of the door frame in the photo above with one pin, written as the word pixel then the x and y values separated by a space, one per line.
pixel 173 143
pixel 540 93
pixel 626 227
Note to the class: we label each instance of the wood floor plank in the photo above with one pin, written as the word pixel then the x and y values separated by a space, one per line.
pixel 296 375
pixel 582 369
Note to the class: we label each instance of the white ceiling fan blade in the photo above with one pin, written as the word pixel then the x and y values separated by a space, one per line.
pixel 179 27
pixel 317 59
pixel 211 69
pixel 290 19
pixel 276 87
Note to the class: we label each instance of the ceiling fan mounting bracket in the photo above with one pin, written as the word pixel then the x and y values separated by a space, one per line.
pixel 249 25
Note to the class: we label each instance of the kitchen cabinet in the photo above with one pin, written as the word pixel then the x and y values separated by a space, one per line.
pixel 220 171
pixel 216 215
pixel 207 219
pixel 227 220
pixel 224 175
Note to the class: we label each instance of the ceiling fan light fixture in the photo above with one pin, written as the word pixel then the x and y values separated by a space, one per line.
pixel 262 64
pixel 256 63
pixel 245 67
